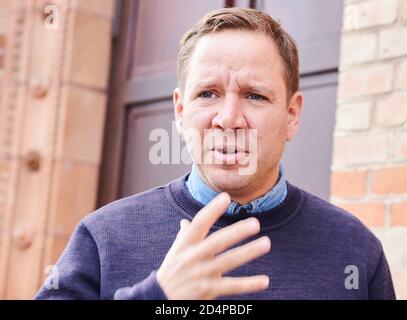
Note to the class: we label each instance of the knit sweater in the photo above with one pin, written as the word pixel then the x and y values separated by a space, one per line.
pixel 115 251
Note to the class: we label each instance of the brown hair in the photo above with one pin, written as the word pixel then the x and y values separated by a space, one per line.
pixel 242 19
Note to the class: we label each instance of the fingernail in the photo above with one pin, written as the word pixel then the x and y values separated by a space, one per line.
pixel 253 224
pixel 183 223
pixel 265 243
pixel 225 195
pixel 266 282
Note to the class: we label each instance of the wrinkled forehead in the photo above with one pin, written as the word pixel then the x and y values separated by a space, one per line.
pixel 235 55
pixel 229 78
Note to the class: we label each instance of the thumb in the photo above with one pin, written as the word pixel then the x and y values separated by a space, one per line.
pixel 184 223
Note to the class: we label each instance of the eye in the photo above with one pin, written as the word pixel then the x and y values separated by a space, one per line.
pixel 206 95
pixel 254 96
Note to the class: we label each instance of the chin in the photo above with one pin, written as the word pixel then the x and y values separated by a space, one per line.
pixel 227 178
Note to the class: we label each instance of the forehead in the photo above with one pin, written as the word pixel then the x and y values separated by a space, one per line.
pixel 243 54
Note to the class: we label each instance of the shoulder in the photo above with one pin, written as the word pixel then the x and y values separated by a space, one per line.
pixel 124 214
pixel 338 223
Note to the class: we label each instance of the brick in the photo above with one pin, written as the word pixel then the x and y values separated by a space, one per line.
pixel 353 116
pixel 371 214
pixel 3 18
pixel 368 14
pixel 360 149
pixel 2 50
pixel 392 111
pixel 393 240
pixel 28 216
pixel 37 123
pixel 358 48
pixel 403 11
pixel 348 183
pixel 99 7
pixel 90 59
pixel 75 189
pixel 54 246
pixel 83 126
pixel 389 180
pixel 21 284
pixel 363 81
pixel 399 151
pixel 44 55
pixel 399 214
pixel 393 42
pixel 401 80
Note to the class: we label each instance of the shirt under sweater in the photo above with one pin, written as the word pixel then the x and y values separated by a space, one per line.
pixel 201 192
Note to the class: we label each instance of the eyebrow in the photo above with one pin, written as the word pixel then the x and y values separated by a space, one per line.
pixel 204 83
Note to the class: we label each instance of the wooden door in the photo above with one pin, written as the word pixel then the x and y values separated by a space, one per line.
pixel 316 27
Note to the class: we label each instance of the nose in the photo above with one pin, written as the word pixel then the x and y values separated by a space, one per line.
pixel 230 114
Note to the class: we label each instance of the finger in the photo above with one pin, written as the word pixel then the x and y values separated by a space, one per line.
pixel 239 256
pixel 184 224
pixel 240 285
pixel 206 218
pixel 223 239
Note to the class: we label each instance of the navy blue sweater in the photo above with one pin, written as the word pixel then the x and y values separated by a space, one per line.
pixel 115 251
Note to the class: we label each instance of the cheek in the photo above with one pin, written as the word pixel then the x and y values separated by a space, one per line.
pixel 194 124
pixel 272 132
pixel 198 119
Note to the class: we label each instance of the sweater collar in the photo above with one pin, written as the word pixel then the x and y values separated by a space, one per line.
pixel 204 194
pixel 188 206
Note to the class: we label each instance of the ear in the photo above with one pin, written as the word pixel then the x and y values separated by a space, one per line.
pixel 294 114
pixel 178 108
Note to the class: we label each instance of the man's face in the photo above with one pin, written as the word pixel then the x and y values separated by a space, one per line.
pixel 235 83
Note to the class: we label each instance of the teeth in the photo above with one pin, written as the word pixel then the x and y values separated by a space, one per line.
pixel 227 151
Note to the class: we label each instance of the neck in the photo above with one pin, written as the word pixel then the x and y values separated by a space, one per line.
pixel 249 192
pixel 269 214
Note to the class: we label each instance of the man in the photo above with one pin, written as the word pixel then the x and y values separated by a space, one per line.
pixel 237 73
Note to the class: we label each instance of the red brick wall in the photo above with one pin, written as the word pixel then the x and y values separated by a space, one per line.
pixel 369 170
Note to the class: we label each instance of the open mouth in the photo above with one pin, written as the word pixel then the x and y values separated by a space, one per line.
pixel 230 155
pixel 229 150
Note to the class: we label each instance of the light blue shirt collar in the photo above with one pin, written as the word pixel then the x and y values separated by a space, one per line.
pixel 204 194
